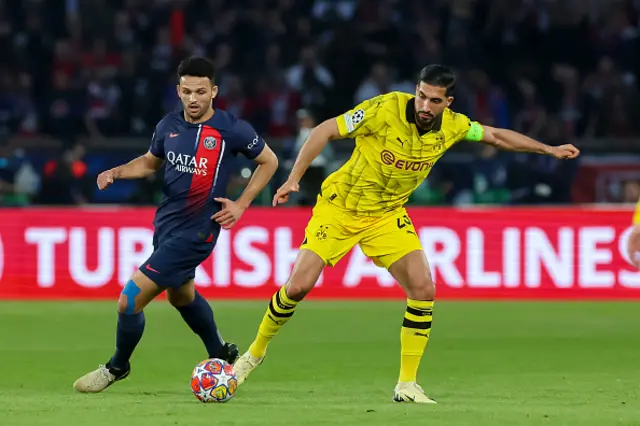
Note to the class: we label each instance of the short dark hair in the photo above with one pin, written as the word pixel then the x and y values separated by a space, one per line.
pixel 440 76
pixel 197 66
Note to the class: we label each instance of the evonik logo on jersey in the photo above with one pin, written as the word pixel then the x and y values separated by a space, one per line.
pixel 185 163
pixel 387 157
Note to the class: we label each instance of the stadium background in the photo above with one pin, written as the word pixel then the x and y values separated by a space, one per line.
pixel 83 82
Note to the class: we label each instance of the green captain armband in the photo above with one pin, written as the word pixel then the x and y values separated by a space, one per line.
pixel 475 133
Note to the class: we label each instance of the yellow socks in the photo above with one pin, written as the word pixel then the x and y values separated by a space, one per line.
pixel 414 337
pixel 280 309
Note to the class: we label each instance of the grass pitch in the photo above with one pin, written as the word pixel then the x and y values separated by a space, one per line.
pixel 335 363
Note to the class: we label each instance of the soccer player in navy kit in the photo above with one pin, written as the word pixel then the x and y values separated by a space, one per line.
pixel 197 146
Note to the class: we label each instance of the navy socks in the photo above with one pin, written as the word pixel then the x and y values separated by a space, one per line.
pixel 129 333
pixel 199 317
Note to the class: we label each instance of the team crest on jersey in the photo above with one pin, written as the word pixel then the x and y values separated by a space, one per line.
pixel 438 146
pixel 210 142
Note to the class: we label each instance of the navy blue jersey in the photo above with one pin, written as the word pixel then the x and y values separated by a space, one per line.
pixel 198 161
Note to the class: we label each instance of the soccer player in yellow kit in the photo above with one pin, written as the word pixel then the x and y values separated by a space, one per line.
pixel 398 139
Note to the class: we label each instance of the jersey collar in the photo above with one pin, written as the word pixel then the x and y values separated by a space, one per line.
pixel 410 112
pixel 218 120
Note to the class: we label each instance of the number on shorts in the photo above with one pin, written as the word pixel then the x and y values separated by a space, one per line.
pixel 403 221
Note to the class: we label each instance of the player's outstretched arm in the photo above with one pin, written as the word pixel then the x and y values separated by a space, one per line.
pixel 137 168
pixel 313 146
pixel 510 140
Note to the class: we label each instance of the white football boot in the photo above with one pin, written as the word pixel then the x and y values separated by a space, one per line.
pixel 411 392
pixel 98 380
pixel 245 365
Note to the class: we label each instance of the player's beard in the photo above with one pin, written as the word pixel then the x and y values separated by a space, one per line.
pixel 423 123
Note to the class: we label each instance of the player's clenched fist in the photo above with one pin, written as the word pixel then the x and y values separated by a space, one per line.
pixel 282 194
pixel 106 178
pixel 565 152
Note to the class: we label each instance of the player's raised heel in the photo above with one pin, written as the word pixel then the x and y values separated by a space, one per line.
pixel 245 365
pixel 411 392
pixel 99 379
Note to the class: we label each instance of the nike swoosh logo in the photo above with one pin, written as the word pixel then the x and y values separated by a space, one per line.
pixel 151 269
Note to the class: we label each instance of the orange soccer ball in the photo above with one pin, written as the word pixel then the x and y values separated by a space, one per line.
pixel 214 380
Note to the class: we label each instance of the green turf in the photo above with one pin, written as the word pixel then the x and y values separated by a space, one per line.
pixel 335 363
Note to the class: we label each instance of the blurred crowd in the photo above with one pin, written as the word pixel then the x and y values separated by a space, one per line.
pixel 553 69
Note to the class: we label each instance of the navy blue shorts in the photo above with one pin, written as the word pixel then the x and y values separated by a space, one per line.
pixel 174 260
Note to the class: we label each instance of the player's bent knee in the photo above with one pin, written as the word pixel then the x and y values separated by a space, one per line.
pixel 179 299
pixel 299 285
pixel 298 290
pixel 423 289
pixel 306 272
pixel 182 296
pixel 123 305
pixel 127 299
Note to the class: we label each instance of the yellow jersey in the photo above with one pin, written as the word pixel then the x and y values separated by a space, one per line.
pixel 391 156
pixel 636 214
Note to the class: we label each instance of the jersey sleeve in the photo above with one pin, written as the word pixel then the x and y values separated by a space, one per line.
pixel 362 120
pixel 246 140
pixel 157 144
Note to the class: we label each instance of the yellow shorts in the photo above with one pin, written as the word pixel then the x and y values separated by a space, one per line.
pixel 332 232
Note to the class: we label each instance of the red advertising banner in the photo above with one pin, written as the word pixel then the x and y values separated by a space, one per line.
pixel 549 253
